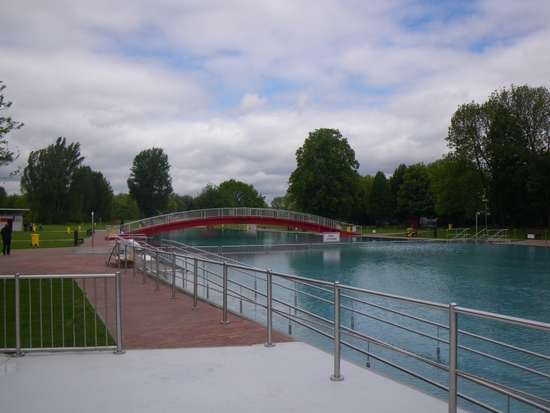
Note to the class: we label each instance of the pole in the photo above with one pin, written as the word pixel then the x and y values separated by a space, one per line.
pixel 453 344
pixel 336 376
pixel 93 230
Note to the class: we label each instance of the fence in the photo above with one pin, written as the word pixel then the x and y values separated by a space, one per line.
pixel 412 340
pixel 60 313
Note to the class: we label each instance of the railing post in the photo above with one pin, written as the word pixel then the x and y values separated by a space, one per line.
pixel 144 258
pixel 118 304
pixel 174 275
pixel 125 258
pixel 157 270
pixel 336 376
pixel 17 316
pixel 134 261
pixel 453 343
pixel 195 283
pixel 269 295
pixel 224 294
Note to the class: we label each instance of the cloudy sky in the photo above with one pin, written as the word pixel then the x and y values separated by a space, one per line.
pixel 231 88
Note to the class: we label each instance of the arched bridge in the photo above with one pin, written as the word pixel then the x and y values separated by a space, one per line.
pixel 218 216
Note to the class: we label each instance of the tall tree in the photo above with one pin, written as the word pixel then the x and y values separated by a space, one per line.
pixel 325 181
pixel 396 180
pixel 124 207
pixel 379 201
pixel 7 124
pixel 508 139
pixel 47 180
pixel 457 188
pixel 149 182
pixel 239 194
pixel 92 193
pixel 415 197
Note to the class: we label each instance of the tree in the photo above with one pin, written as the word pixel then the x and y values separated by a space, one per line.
pixel 7 124
pixel 457 188
pixel 92 193
pixel 396 180
pixel 238 194
pixel 3 196
pixel 325 181
pixel 379 201
pixel 281 202
pixel 415 197
pixel 124 207
pixel 209 197
pixel 507 138
pixel 149 182
pixel 47 180
pixel 229 194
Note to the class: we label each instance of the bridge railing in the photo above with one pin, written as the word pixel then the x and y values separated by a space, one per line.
pixel 236 212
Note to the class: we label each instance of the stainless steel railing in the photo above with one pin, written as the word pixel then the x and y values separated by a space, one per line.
pixel 408 338
pixel 60 313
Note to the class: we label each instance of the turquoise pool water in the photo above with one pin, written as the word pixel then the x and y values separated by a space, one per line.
pixel 507 279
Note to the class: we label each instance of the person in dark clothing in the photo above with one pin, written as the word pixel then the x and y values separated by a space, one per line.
pixel 6 239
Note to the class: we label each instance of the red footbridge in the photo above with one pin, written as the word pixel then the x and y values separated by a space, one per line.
pixel 247 216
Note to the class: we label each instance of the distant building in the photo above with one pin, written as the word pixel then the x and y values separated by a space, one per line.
pixel 13 215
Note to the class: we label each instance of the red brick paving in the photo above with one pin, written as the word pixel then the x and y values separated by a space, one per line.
pixel 150 319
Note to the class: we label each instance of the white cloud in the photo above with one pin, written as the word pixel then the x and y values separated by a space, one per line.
pixel 230 89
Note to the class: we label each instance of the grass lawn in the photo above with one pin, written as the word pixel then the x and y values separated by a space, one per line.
pixel 54 313
pixel 51 236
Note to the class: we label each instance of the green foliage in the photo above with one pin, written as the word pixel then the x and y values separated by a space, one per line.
pixel 281 202
pixel 124 207
pixel 379 200
pixel 415 197
pixel 7 124
pixel 457 187
pixel 3 197
pixel 149 182
pixel 47 180
pixel 229 194
pixel 325 181
pixel 91 193
pixel 238 194
pixel 507 138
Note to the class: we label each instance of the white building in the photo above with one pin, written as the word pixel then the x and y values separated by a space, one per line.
pixel 13 215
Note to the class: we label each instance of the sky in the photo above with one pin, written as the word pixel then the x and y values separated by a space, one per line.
pixel 230 89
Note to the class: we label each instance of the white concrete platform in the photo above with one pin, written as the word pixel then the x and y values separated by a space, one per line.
pixel 290 377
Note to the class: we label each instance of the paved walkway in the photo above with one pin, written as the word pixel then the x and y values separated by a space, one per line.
pixel 150 319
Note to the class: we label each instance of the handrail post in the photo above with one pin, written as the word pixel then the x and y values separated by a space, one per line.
pixel 125 258
pixel 157 270
pixel 224 294
pixel 144 262
pixel 174 275
pixel 336 376
pixel 453 344
pixel 118 303
pixel 17 316
pixel 195 282
pixel 134 260
pixel 269 295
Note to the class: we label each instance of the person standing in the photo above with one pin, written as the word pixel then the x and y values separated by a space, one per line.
pixel 6 239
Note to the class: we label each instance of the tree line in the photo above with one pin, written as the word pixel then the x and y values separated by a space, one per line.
pixel 498 161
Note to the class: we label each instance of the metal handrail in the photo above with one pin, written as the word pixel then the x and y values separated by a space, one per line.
pixel 330 294
pixel 19 349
